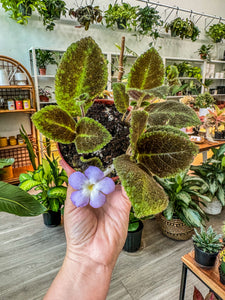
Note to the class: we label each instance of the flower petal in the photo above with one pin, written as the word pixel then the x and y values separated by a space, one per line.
pixel 79 199
pixel 77 180
pixel 106 185
pixel 97 199
pixel 94 174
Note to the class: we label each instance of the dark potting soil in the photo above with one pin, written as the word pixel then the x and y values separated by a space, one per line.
pixel 110 118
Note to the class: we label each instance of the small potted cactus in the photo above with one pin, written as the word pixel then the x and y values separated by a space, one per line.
pixel 207 246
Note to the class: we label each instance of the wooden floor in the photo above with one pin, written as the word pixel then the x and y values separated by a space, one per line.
pixel 31 255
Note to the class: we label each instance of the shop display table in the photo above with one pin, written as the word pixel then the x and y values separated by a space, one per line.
pixel 204 147
pixel 210 277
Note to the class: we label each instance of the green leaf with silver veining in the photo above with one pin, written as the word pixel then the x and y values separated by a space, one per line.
pixel 82 70
pixel 147 72
pixel 91 136
pixel 24 177
pixel 172 113
pixel 138 124
pixel 165 153
pixel 146 195
pixel 121 98
pixel 57 192
pixel 55 123
pixel 29 184
pixel 13 200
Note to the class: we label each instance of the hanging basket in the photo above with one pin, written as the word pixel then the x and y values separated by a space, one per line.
pixel 174 229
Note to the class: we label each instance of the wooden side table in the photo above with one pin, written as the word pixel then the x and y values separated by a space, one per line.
pixel 210 277
pixel 206 146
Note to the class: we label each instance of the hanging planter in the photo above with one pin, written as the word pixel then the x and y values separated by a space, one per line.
pixel 216 32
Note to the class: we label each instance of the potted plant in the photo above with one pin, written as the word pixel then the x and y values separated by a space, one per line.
pixel 183 212
pixel 51 11
pixel 204 51
pixel 197 295
pixel 44 94
pixel 216 118
pixel 123 16
pixel 148 21
pixel 203 102
pixel 87 15
pixel 135 228
pixel 44 58
pixel 6 170
pixel 216 32
pixel 222 266
pixel 207 245
pixel 183 28
pixel 114 138
pixel 48 180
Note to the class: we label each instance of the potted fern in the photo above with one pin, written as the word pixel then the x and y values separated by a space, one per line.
pixel 147 125
pixel 207 246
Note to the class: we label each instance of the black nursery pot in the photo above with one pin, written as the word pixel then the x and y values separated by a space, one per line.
pixel 205 259
pixel 52 218
pixel 133 240
pixel 121 23
pixel 222 276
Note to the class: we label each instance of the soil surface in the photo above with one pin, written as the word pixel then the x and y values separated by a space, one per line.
pixel 110 118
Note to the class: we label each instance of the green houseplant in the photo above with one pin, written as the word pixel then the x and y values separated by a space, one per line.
pixel 182 191
pixel 44 58
pixel 71 124
pixel 207 246
pixel 204 51
pixel 48 180
pixel 204 100
pixel 183 28
pixel 222 266
pixel 51 11
pixel 87 15
pixel 123 16
pixel 216 32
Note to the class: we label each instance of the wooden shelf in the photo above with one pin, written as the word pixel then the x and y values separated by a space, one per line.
pixel 23 87
pixel 31 110
pixel 12 147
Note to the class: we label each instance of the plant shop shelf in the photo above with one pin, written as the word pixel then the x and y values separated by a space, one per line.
pixel 12 147
pixel 23 87
pixel 17 111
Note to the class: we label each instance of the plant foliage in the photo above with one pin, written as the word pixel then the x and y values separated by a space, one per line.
pixel 87 15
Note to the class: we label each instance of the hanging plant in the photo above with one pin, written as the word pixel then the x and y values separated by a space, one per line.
pixel 124 16
pixel 216 32
pixel 86 15
pixel 148 20
pixel 183 28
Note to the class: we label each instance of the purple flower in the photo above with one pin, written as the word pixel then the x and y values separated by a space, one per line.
pixel 92 187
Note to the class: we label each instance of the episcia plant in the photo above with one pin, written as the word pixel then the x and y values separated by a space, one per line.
pixel 156 145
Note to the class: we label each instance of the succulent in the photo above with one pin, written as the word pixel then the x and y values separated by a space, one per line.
pixel 204 100
pixel 207 240
pixel 157 146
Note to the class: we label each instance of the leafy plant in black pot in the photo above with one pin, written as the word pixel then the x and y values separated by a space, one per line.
pixel 184 194
pixel 49 181
pixel 133 240
pixel 207 246
pixel 87 15
pixel 216 32
pixel 123 16
pixel 52 10
pixel 148 21
pixel 87 138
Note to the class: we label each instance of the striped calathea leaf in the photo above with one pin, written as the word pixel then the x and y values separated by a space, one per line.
pixel 82 71
pixel 172 113
pixel 146 195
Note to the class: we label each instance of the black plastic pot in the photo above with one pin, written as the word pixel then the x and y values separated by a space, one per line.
pixel 52 218
pixel 133 240
pixel 205 259
pixel 222 276
pixel 121 23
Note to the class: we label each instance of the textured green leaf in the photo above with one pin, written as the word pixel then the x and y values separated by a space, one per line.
pixel 184 197
pixel 172 113
pixel 46 168
pixel 138 124
pixel 193 217
pixel 13 200
pixel 165 153
pixel 147 71
pixel 220 177
pixel 159 92
pixel 29 184
pixel 220 195
pixel 82 70
pixel 213 187
pixel 6 162
pixel 38 175
pixel 169 129
pixel 55 123
pixel 91 136
pixel 169 211
pixel 121 98
pixel 54 204
pixel 93 161
pixel 57 192
pixel 24 176
pixel 146 195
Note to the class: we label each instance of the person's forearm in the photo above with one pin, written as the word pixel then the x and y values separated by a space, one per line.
pixel 81 281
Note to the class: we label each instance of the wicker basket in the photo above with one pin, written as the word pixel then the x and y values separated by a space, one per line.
pixel 174 229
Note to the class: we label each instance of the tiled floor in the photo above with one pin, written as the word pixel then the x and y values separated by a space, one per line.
pixel 31 255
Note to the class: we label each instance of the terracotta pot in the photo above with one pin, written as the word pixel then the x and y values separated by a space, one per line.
pixel 44 98
pixel 7 173
pixel 42 71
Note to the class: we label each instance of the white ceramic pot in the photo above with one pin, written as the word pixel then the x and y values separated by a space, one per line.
pixel 4 80
pixel 203 111
pixel 212 208
pixel 20 79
